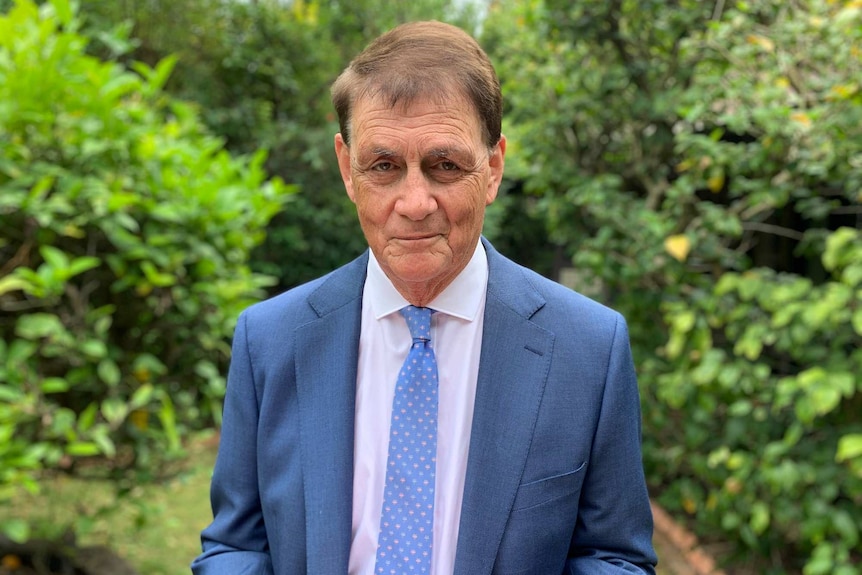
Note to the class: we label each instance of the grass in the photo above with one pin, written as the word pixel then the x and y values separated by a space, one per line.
pixel 157 529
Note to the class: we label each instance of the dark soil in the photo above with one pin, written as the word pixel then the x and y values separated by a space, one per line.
pixel 62 557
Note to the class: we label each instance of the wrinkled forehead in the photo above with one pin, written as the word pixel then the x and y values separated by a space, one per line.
pixel 400 99
pixel 424 123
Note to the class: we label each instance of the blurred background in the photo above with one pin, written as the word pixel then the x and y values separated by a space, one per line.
pixel 696 165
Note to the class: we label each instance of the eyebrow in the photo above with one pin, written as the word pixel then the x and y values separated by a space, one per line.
pixel 442 152
pixel 385 152
pixel 448 152
pixel 367 155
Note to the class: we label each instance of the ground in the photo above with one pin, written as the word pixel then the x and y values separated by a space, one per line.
pixel 678 549
pixel 157 530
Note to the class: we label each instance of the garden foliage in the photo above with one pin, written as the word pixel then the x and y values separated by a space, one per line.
pixel 698 164
pixel 125 234
pixel 260 73
pixel 703 160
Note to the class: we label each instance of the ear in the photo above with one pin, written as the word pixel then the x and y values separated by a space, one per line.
pixel 496 163
pixel 342 153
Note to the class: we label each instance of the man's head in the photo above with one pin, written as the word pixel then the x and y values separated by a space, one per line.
pixel 420 151
pixel 428 60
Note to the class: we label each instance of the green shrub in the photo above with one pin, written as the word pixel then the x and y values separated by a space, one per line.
pixel 125 232
pixel 701 164
pixel 260 72
pixel 761 435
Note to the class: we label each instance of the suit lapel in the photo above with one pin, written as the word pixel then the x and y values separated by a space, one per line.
pixel 326 366
pixel 515 360
pixel 512 373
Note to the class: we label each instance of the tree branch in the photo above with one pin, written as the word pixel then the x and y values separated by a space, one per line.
pixel 719 10
pixel 773 229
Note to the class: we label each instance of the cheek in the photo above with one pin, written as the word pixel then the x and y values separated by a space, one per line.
pixel 469 205
pixel 372 208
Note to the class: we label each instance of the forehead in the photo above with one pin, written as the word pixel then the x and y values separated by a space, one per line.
pixel 422 121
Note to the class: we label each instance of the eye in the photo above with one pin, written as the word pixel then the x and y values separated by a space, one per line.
pixel 383 166
pixel 445 171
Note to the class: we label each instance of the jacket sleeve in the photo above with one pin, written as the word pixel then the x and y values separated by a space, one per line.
pixel 613 534
pixel 235 543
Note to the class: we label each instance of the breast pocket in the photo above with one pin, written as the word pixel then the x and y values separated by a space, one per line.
pixel 548 489
pixel 539 531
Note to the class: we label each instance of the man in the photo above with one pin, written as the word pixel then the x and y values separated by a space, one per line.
pixel 508 442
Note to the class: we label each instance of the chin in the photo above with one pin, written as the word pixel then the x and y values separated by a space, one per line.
pixel 418 268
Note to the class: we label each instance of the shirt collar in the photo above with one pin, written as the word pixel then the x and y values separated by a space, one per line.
pixel 462 298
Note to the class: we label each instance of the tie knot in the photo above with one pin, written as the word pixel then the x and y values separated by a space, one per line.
pixel 419 322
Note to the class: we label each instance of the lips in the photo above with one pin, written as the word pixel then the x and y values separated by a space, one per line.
pixel 418 241
pixel 418 237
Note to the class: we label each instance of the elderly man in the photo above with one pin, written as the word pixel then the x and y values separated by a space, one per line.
pixel 431 407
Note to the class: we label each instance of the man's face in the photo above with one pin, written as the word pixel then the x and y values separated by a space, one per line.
pixel 420 176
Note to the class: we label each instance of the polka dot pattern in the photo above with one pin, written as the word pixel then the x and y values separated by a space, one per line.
pixel 406 522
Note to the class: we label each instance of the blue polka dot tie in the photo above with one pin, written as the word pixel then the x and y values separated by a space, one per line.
pixel 407 519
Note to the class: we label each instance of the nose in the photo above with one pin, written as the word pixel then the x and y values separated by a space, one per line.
pixel 416 198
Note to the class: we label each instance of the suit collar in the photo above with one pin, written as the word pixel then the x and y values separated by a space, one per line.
pixel 516 356
pixel 327 351
pixel 340 287
pixel 513 369
pixel 510 284
pixel 463 298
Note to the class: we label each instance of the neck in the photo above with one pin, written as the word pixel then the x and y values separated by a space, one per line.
pixel 420 295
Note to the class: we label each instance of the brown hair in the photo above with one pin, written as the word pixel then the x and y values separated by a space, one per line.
pixel 422 60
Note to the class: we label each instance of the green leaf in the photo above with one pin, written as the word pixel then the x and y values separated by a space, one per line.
pixel 82 449
pixel 54 257
pixel 119 86
pixel 114 410
pixel 845 525
pixel 39 325
pixel 162 72
pixel 64 11
pixel 12 283
pixel 38 192
pixel 837 244
pixel 20 351
pixel 82 264
pixel 17 530
pixel 142 396
pixel 88 417
pixel 156 277
pixel 824 399
pixel 167 416
pixel 104 442
pixel 852 275
pixel 102 325
pixel 849 447
pixel 760 517
pixel 54 385
pixel 109 372
pixel 146 365
pixel 63 421
pixel 683 321
pixel 736 461
pixel 94 348
pixel 727 283
pixel 718 456
pixel 10 394
pixel 821 562
pixel 155 77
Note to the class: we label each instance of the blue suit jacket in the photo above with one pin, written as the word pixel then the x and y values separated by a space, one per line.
pixel 554 475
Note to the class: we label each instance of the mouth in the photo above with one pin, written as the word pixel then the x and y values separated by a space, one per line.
pixel 417 237
pixel 417 240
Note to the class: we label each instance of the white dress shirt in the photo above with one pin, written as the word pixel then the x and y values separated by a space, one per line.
pixel 456 336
